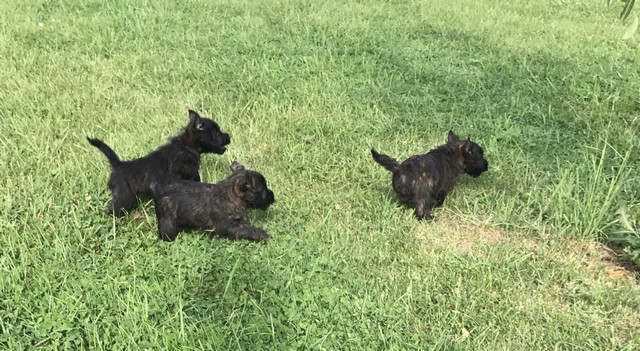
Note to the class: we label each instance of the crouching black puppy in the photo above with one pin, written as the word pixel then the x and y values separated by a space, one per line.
pixel 221 206
pixel 423 181
pixel 179 159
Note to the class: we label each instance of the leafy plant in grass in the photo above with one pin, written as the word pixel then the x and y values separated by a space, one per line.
pixel 585 198
pixel 627 232
pixel 627 227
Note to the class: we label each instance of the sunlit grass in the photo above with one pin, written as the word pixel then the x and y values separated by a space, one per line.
pixel 306 89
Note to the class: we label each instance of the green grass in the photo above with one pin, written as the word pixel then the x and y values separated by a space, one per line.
pixel 306 88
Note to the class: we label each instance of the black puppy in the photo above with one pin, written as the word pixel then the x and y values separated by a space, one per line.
pixel 221 206
pixel 423 181
pixel 179 159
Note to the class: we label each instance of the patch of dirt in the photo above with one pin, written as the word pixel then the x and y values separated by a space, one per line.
pixel 453 232
pixel 461 236
pixel 614 265
pixel 597 257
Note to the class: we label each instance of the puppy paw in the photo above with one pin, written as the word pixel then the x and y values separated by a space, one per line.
pixel 259 235
pixel 423 216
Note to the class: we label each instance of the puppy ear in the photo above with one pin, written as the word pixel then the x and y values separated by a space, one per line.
pixel 195 121
pixel 468 146
pixel 236 167
pixel 452 138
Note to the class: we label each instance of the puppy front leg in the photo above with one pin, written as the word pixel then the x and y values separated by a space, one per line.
pixel 167 229
pixel 424 206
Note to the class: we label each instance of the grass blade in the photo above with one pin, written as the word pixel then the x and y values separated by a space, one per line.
pixel 627 9
pixel 231 275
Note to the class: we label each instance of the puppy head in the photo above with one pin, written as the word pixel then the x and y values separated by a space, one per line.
pixel 251 187
pixel 471 154
pixel 206 134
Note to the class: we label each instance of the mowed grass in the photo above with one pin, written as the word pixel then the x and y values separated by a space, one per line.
pixel 305 88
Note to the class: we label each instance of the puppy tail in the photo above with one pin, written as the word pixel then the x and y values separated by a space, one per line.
pixel 114 160
pixel 385 161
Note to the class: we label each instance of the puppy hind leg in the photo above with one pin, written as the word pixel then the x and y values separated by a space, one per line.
pixel 167 225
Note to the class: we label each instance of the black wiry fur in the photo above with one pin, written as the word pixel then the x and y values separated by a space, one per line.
pixel 221 206
pixel 179 159
pixel 423 181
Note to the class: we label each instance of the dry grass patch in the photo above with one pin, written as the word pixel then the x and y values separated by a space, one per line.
pixel 451 232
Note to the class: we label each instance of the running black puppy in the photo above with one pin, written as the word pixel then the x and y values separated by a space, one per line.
pixel 179 159
pixel 221 206
pixel 423 181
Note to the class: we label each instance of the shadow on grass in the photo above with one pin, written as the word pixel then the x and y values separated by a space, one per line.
pixel 544 106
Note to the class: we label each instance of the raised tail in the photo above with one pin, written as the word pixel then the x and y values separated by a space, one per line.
pixel 385 161
pixel 114 160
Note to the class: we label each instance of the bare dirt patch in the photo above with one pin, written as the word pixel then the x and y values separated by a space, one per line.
pixel 453 232
pixel 614 266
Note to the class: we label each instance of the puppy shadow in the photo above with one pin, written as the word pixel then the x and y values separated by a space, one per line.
pixel 143 211
pixel 261 217
pixel 383 190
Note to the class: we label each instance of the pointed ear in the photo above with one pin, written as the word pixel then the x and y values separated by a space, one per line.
pixel 195 121
pixel 467 146
pixel 452 138
pixel 236 167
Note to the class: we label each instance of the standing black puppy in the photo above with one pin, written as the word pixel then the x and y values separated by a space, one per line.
pixel 220 206
pixel 423 181
pixel 179 159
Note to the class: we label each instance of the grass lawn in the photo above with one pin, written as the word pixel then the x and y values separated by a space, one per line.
pixel 306 88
